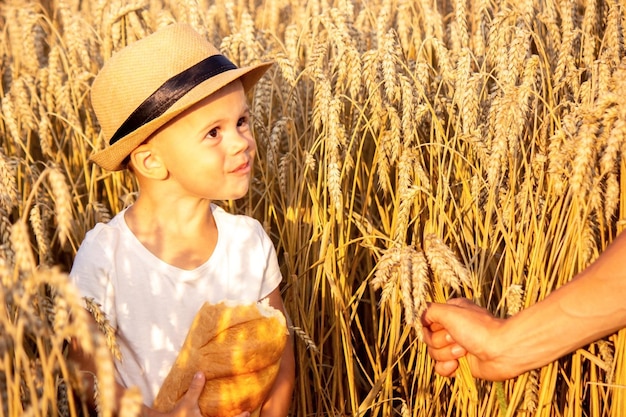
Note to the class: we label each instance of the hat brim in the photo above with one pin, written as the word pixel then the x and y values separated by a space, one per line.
pixel 112 157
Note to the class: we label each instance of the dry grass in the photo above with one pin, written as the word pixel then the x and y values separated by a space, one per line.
pixel 409 150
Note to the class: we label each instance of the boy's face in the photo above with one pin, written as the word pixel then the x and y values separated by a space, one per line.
pixel 209 150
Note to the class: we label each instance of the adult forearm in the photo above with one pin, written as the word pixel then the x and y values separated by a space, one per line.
pixel 584 310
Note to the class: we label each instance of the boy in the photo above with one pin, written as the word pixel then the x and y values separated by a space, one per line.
pixel 174 111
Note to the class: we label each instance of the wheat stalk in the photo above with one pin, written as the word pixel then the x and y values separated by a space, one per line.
pixel 450 274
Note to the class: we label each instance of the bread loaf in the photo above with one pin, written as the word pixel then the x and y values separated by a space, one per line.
pixel 238 347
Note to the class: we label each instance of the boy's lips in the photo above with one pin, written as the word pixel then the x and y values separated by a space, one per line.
pixel 242 169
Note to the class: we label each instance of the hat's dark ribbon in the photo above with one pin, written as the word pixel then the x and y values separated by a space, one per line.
pixel 171 91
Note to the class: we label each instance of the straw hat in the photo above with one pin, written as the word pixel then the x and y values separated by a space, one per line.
pixel 151 81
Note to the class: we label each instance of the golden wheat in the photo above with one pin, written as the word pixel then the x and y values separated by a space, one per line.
pixel 41 235
pixel 62 201
pixel 450 272
pixel 406 149
pixel 20 243
pixel 104 383
pixel 530 392
pixel 131 403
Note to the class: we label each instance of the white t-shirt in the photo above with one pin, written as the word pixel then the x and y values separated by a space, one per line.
pixel 151 304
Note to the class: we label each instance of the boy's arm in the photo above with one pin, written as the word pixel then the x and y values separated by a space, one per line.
pixel 585 309
pixel 87 365
pixel 186 407
pixel 278 400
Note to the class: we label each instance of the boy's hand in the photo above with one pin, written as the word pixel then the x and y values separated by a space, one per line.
pixel 187 406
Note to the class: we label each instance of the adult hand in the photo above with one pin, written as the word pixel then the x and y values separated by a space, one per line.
pixel 460 328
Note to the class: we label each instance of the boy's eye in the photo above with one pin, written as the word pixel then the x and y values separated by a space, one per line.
pixel 242 121
pixel 212 133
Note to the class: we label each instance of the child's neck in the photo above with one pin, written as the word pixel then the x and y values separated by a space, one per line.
pixel 182 234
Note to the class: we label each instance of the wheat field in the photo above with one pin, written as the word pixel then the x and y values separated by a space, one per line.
pixel 408 151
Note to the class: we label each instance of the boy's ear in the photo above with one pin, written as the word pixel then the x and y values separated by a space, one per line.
pixel 147 162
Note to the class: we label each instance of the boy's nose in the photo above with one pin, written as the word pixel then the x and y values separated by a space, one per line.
pixel 241 141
